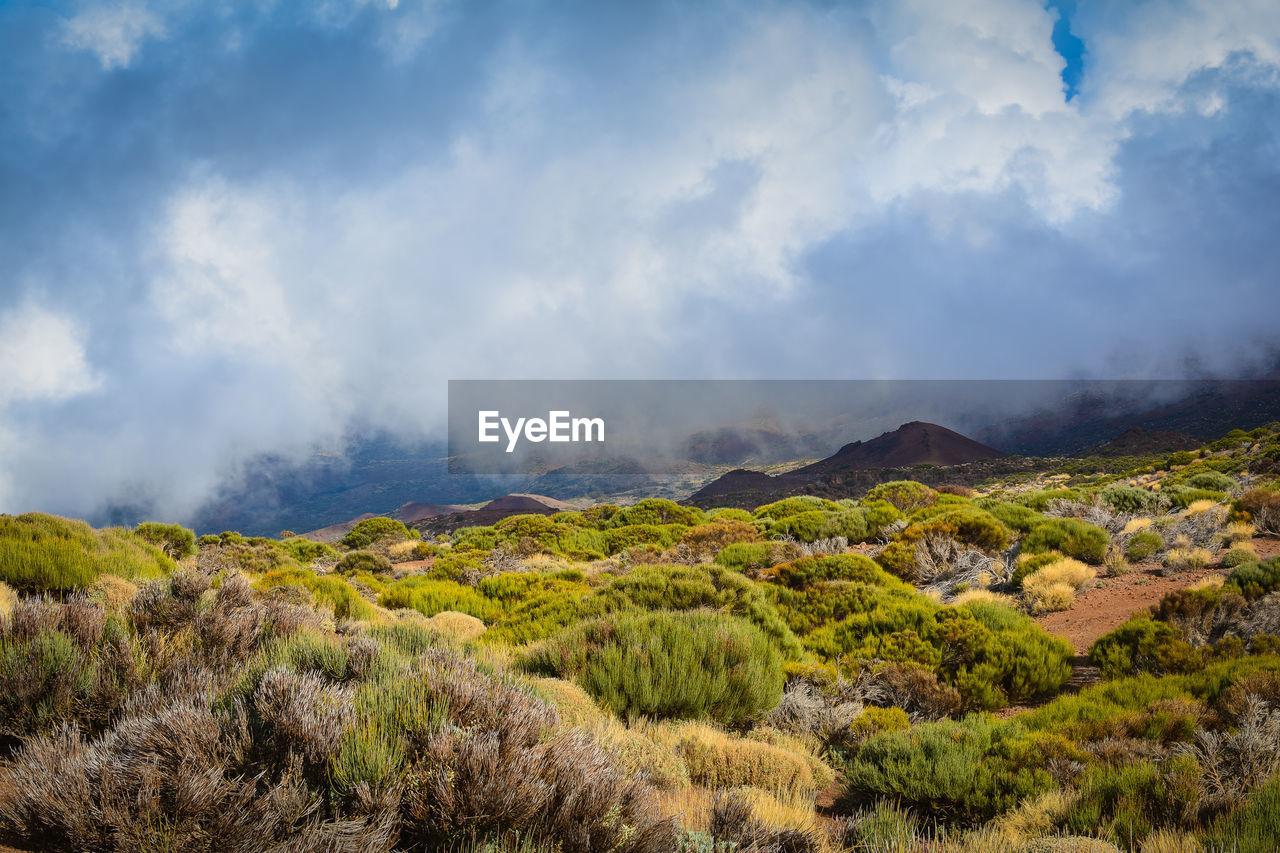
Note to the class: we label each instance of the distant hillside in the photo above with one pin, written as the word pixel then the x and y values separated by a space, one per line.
pixel 492 512
pixel 1137 441
pixel 912 445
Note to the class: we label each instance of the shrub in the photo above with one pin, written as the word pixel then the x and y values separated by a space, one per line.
pixel 707 540
pixel 1257 579
pixel 1262 506
pixel 719 760
pixel 1039 500
pixel 325 590
pixel 1238 557
pixel 747 557
pixel 1130 499
pixel 669 665
pixel 429 596
pixel 8 598
pixel 1254 827
pixel 1143 645
pixel 1184 498
pixel 619 539
pixel 1071 536
pixel 1054 586
pixel 363 561
pixel 305 551
pixel 1013 516
pixel 657 511
pixel 906 495
pixel 957 771
pixel 45 553
pixel 730 514
pixel 807 571
pixel 1143 545
pixel 371 530
pixel 175 540
pixel 1210 480
pixel 1187 559
pixel 1028 564
pixel 787 507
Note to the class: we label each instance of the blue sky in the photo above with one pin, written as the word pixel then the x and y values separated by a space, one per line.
pixel 229 229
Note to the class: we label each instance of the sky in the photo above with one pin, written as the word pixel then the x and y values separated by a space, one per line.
pixel 230 229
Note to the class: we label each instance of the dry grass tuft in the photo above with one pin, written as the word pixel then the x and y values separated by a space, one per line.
pixel 971 595
pixel 1054 587
pixel 8 598
pixel 458 626
pixel 114 592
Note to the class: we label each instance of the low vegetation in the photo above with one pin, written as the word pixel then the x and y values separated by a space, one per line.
pixel 657 677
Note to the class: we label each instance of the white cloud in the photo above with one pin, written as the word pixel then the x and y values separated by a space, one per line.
pixel 42 357
pixel 114 32
pixel 1141 54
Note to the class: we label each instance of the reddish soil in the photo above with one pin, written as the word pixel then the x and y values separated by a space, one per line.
pixel 1108 602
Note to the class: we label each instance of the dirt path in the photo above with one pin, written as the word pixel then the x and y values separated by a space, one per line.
pixel 1108 602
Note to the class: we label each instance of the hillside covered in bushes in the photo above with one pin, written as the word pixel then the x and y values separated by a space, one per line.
pixel 810 674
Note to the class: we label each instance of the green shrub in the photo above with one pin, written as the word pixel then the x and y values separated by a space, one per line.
pixel 1144 645
pixel 879 514
pixel 371 530
pixel 788 507
pixel 657 511
pixel 1237 557
pixel 730 514
pixel 1144 545
pixel 1029 564
pixel 429 596
pixel 685 588
pixel 1039 500
pixel 807 571
pixel 1131 800
pixel 305 551
pixel 1211 480
pixel 1011 515
pixel 1184 498
pixel 1131 499
pixel 175 540
pixel 45 553
pixel 619 539
pixel 325 590
pixel 906 495
pixel 747 556
pixel 1256 579
pixel 669 665
pixel 1252 828
pixel 963 772
pixel 479 538
pixel 1072 537
pixel 451 565
pixel 363 561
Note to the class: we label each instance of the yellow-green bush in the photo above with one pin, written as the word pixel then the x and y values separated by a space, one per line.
pixel 325 589
pixel 45 553
pixel 668 665
pixel 716 759
pixel 430 596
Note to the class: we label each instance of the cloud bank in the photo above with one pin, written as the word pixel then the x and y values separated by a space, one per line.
pixel 241 229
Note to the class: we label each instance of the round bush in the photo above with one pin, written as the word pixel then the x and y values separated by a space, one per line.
pixel 1214 480
pixel 1144 545
pixel 669 665
pixel 1071 536
pixel 363 561
pixel 370 530
pixel 907 495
